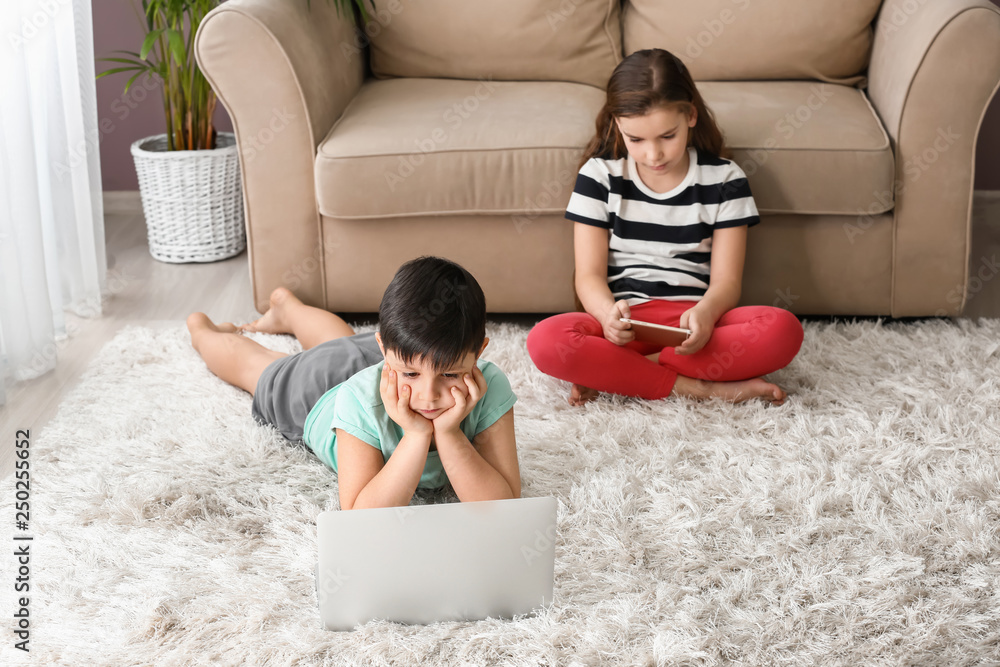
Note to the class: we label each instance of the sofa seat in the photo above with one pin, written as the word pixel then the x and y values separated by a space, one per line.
pixel 449 147
pixel 428 147
pixel 807 147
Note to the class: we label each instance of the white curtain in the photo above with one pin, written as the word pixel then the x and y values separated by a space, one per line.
pixel 52 256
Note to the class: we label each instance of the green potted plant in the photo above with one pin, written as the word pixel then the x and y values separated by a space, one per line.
pixel 189 177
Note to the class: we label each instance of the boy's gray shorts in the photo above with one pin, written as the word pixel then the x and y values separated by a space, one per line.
pixel 289 387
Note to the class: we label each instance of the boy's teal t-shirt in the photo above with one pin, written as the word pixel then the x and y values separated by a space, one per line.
pixel 355 405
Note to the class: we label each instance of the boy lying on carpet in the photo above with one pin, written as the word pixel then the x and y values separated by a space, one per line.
pixel 410 406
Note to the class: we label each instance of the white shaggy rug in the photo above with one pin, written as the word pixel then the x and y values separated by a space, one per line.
pixel 855 525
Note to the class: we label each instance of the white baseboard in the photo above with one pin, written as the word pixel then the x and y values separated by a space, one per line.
pixel 122 202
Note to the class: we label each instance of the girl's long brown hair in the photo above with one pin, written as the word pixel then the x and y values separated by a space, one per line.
pixel 643 82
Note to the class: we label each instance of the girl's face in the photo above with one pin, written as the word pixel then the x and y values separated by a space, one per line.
pixel 658 140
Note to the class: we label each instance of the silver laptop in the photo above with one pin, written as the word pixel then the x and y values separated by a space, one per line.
pixel 429 563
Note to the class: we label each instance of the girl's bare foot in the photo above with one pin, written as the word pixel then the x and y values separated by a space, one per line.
pixel 273 321
pixel 579 394
pixel 737 392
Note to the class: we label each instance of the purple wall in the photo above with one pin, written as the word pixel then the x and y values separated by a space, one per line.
pixel 124 119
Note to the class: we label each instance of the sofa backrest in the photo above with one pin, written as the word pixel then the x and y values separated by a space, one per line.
pixel 829 40
pixel 507 40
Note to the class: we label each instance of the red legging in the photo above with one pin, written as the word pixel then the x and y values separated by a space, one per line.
pixel 747 342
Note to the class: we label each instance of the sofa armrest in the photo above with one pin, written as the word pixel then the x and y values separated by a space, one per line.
pixel 285 73
pixel 934 69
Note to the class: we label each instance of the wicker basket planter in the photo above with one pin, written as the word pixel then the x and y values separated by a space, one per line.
pixel 193 200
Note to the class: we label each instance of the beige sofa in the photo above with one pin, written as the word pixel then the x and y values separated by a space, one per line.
pixel 454 128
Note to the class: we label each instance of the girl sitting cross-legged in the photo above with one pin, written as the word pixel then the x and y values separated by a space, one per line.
pixel 660 230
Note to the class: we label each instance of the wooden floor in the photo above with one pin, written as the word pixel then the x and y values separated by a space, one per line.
pixel 156 294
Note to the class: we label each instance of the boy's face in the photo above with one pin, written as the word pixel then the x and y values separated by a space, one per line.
pixel 430 390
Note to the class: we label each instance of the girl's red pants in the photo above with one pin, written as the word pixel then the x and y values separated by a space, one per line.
pixel 747 342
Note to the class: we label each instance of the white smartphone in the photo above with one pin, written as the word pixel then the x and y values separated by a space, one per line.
pixel 661 334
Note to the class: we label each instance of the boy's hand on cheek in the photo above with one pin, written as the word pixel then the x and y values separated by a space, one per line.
pixel 397 404
pixel 451 419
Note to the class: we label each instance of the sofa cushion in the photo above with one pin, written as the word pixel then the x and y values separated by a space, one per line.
pixel 520 40
pixel 406 147
pixel 757 39
pixel 806 147
pixel 418 147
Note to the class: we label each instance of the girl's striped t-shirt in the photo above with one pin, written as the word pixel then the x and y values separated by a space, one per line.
pixel 660 245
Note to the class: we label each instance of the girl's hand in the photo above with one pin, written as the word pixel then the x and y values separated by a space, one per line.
pixel 701 325
pixel 451 419
pixel 397 404
pixel 615 330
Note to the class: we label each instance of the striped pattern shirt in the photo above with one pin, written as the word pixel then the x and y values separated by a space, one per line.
pixel 661 243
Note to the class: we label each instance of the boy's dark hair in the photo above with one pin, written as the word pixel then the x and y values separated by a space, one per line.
pixel 432 309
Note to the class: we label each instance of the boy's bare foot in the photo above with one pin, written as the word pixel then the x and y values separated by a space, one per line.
pixel 579 394
pixel 273 321
pixel 196 321
pixel 737 392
